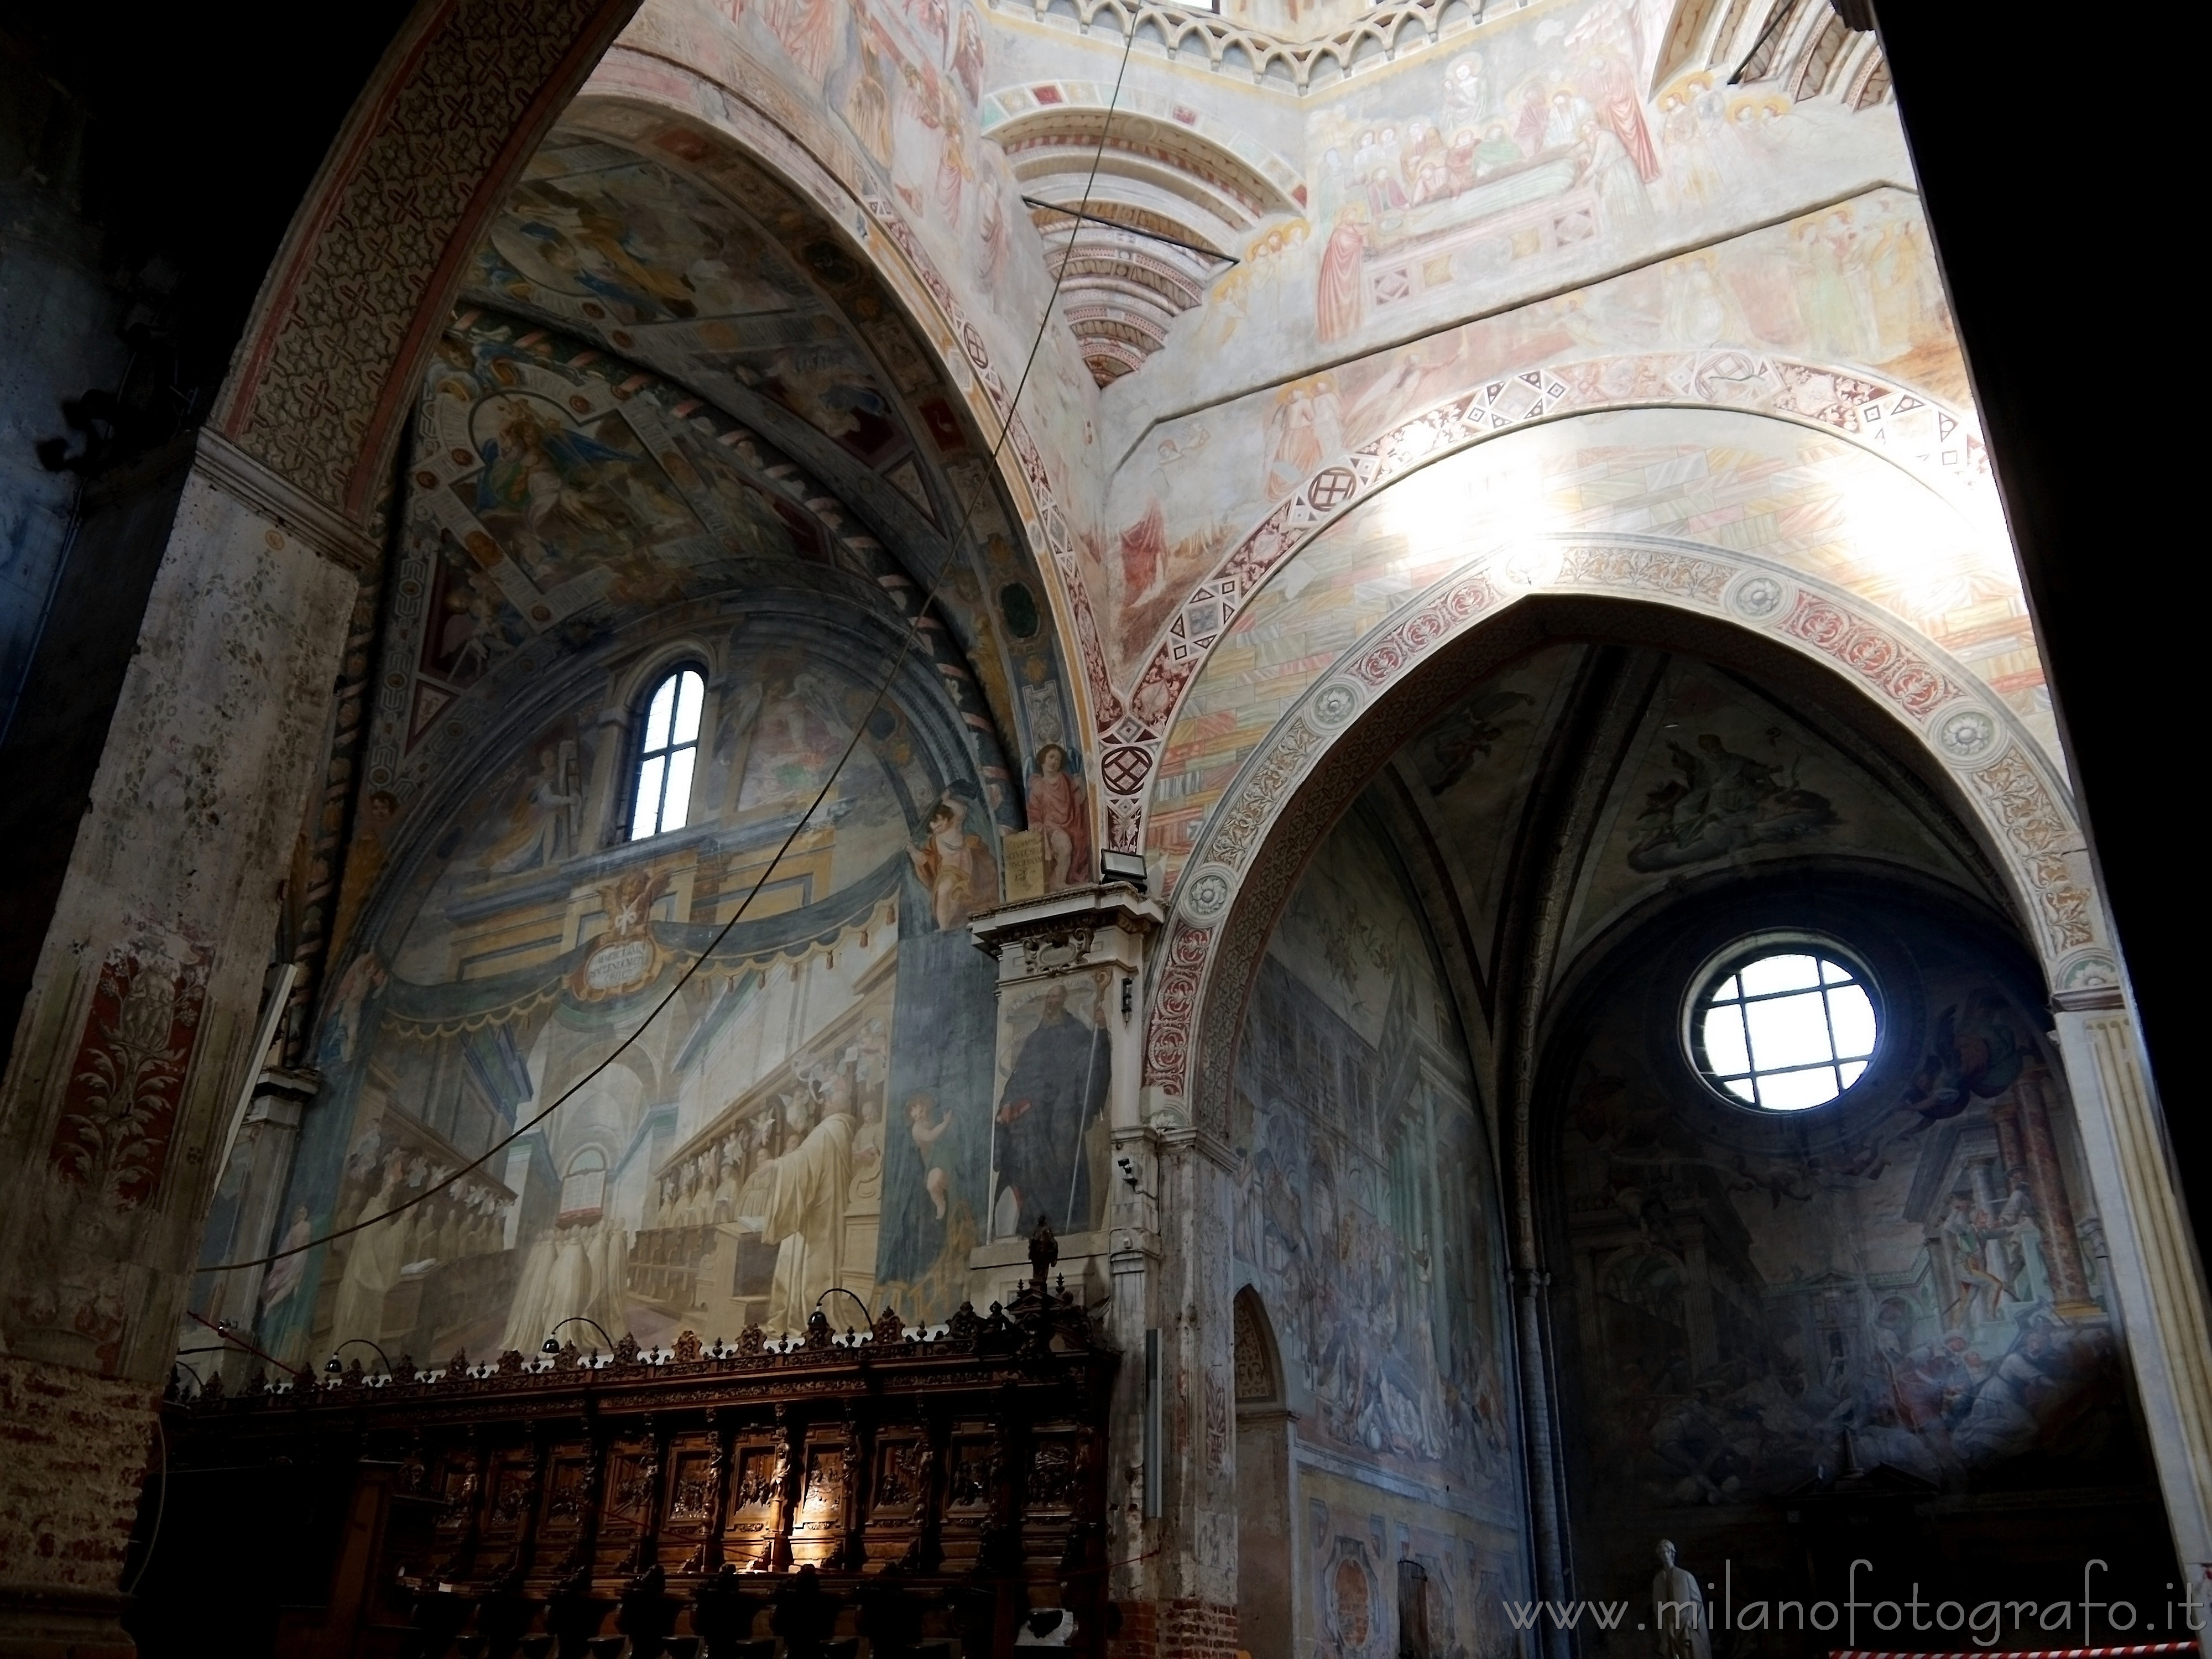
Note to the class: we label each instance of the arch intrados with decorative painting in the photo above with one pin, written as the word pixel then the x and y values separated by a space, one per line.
pixel 325 377
pixel 1883 419
pixel 689 147
pixel 1897 690
pixel 638 83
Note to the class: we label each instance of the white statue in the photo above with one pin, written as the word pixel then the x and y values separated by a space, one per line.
pixel 1678 1609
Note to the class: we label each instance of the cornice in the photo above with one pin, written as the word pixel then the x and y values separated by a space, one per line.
pixel 272 496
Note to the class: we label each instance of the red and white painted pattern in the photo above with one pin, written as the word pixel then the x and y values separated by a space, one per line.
pixel 1936 445
pixel 2024 810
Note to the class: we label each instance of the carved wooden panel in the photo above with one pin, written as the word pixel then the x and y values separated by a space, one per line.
pixel 819 1521
pixel 692 1501
pixel 749 1533
pixel 626 1513
pixel 898 1497
pixel 973 1468
pixel 571 1499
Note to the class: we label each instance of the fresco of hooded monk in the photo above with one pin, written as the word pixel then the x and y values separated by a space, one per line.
pixel 797 1203
pixel 1057 1086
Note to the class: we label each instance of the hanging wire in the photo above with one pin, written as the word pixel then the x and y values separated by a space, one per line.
pixel 860 729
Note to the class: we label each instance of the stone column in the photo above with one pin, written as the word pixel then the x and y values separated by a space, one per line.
pixel 1187 1590
pixel 132 1047
pixel 1532 1288
pixel 2155 1273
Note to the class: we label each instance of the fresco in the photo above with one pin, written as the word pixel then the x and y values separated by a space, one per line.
pixel 1050 1133
pixel 1468 178
pixel 1381 1567
pixel 812 1112
pixel 1853 284
pixel 1736 481
pixel 783 376
pixel 1366 1221
pixel 1723 774
pixel 1904 1288
pixel 816 1110
pixel 885 95
pixel 620 244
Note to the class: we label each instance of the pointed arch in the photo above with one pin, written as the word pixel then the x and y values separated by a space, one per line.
pixel 1259 1359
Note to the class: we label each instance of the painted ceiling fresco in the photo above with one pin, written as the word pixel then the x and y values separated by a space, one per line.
pixel 1717 774
pixel 557 497
pixel 696 314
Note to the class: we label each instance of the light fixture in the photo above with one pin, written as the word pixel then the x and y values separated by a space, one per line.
pixel 1124 866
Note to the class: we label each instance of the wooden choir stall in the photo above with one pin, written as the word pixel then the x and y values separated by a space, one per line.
pixel 874 1496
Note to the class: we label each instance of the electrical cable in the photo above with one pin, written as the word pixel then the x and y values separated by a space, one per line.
pixel 860 729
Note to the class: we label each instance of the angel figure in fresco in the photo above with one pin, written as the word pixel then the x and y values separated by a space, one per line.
pixel 1057 811
pixel 868 105
pixel 808 30
pixel 954 865
pixel 564 490
pixel 1465 736
pixel 1305 428
pixel 1719 802
pixel 542 827
pixel 926 1136
pixel 1974 1055
pixel 968 57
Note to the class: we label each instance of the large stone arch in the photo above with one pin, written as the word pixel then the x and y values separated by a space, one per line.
pixel 1937 447
pixel 322 381
pixel 1919 702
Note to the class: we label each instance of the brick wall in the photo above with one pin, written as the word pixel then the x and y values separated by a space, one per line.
pixel 73 1452
pixel 1182 1629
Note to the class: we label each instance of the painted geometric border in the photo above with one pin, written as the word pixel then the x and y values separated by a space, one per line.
pixel 2025 811
pixel 1936 445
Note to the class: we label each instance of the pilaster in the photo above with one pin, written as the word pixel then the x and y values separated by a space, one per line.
pixel 135 1041
pixel 2155 1271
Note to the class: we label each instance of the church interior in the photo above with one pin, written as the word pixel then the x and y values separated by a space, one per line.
pixel 887 828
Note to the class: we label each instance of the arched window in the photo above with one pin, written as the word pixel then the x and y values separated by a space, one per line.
pixel 665 758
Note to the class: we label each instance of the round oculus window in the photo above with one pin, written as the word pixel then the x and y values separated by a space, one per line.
pixel 1782 1025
